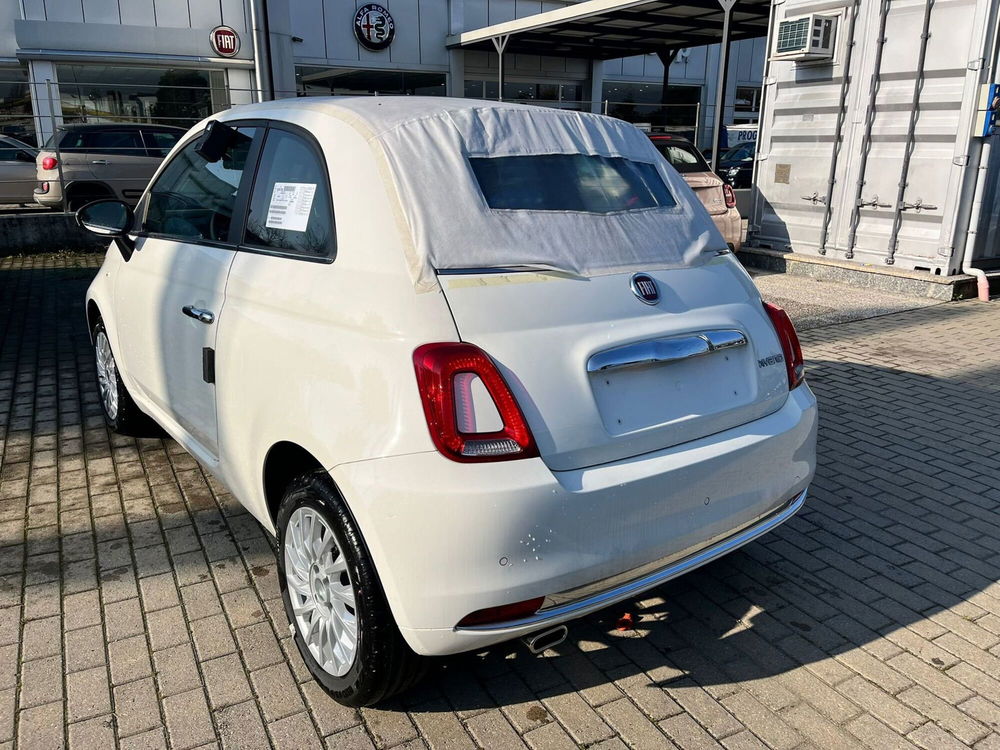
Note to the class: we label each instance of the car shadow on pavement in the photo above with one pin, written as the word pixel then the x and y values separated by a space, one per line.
pixel 890 571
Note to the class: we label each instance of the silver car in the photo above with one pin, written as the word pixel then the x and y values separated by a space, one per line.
pixel 17 171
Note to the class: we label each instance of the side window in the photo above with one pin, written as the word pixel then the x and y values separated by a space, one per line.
pixel 290 204
pixel 193 199
pixel 8 152
pixel 159 142
pixel 71 142
pixel 114 142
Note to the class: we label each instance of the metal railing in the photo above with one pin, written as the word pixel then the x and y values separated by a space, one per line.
pixel 57 105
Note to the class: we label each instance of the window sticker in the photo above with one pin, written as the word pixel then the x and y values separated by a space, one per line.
pixel 290 205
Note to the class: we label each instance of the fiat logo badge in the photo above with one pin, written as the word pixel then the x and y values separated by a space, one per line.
pixel 644 288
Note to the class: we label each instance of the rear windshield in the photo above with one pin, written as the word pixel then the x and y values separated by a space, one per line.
pixel 570 182
pixel 682 157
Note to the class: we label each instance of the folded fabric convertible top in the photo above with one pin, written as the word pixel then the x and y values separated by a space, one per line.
pixel 427 142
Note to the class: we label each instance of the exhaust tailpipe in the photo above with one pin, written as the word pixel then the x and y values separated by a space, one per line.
pixel 538 642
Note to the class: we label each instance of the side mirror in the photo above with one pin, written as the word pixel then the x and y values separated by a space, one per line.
pixel 109 218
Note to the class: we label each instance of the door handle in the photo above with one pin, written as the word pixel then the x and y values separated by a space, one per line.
pixel 100 161
pixel 203 316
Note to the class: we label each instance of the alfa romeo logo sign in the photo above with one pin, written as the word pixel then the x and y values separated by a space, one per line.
pixel 374 27
pixel 225 41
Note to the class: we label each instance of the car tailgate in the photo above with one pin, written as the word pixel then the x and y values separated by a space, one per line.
pixel 574 351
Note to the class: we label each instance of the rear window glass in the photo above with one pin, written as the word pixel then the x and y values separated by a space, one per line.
pixel 685 159
pixel 570 182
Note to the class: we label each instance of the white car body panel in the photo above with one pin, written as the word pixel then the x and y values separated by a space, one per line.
pixel 320 355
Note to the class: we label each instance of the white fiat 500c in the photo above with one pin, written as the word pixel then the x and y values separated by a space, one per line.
pixel 480 368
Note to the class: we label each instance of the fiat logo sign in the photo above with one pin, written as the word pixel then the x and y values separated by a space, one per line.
pixel 225 41
pixel 644 288
pixel 374 27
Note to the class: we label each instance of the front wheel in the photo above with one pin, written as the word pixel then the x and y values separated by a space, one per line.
pixel 334 600
pixel 120 411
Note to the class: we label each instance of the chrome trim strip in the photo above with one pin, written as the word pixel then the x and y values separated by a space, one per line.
pixel 665 351
pixel 599 601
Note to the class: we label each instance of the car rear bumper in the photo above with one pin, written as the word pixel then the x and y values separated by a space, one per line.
pixel 730 224
pixel 449 539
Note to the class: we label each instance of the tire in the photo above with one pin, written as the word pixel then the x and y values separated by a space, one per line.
pixel 381 663
pixel 120 411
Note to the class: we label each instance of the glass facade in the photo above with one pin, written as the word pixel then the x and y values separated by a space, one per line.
pixel 319 81
pixel 15 104
pixel 144 94
pixel 565 95
pixel 642 102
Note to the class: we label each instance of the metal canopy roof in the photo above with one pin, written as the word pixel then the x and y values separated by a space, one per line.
pixel 606 29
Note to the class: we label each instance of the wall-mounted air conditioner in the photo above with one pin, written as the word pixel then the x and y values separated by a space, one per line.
pixel 806 38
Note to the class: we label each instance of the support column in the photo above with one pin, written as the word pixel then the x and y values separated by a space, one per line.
pixel 46 104
pixel 500 44
pixel 597 86
pixel 722 77
pixel 456 56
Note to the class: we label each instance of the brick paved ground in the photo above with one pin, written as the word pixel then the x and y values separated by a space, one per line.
pixel 138 604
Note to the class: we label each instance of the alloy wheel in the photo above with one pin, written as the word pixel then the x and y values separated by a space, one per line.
pixel 107 375
pixel 320 590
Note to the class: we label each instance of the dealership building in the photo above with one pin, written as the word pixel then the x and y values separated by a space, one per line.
pixel 176 61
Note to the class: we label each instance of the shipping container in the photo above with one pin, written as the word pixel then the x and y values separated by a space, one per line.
pixel 867 148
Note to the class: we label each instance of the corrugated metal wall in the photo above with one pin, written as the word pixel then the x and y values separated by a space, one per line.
pixel 860 217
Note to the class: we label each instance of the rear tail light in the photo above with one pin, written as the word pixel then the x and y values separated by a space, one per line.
pixel 503 613
pixel 43 187
pixel 471 413
pixel 790 348
pixel 727 191
pixel 49 162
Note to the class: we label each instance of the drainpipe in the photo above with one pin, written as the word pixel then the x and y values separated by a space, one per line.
pixel 968 244
pixel 261 46
pixel 969 241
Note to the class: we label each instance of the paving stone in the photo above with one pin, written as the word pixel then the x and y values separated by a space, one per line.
pixel 94 734
pixel 491 729
pixel 176 671
pixel 276 691
pixel 189 723
pixel 136 707
pixel 129 660
pixel 240 727
pixel 226 681
pixel 295 733
pixel 350 739
pixel 41 728
pixel 41 681
pixel 212 637
pixel 88 694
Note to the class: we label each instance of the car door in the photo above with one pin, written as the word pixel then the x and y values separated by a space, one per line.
pixel 118 159
pixel 170 294
pixel 17 172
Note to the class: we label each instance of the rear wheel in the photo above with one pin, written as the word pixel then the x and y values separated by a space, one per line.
pixel 77 199
pixel 120 411
pixel 341 621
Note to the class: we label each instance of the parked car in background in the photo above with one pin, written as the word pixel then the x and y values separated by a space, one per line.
pixel 17 171
pixel 717 196
pixel 480 368
pixel 101 161
pixel 736 165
